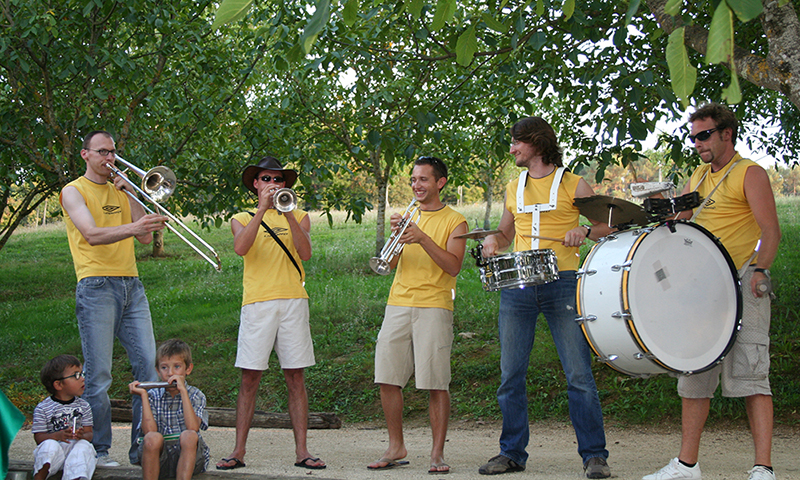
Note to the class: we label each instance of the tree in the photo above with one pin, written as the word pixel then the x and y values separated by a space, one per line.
pixel 152 73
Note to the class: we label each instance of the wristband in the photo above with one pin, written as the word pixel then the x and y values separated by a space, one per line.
pixel 588 230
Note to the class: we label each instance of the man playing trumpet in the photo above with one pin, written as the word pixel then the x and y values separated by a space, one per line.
pixel 417 331
pixel 274 307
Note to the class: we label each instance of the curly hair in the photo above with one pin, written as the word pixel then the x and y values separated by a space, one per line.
pixel 722 116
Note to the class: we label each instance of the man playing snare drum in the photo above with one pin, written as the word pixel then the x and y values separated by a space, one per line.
pixel 417 331
pixel 540 204
pixel 741 212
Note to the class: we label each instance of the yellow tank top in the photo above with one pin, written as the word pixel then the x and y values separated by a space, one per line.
pixel 419 282
pixel 268 272
pixel 110 208
pixel 554 223
pixel 728 215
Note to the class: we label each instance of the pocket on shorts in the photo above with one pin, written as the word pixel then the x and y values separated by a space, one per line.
pixel 750 361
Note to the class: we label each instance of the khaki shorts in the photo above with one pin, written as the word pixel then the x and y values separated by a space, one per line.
pixel 282 324
pixel 415 341
pixel 745 370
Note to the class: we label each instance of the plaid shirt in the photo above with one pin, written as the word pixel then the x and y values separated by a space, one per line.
pixel 168 414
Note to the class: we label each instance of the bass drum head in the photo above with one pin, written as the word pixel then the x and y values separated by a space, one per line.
pixel 684 297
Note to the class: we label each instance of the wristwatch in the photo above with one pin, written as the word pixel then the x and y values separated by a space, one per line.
pixel 588 230
pixel 765 271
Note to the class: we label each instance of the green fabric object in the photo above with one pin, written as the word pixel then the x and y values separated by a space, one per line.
pixel 11 420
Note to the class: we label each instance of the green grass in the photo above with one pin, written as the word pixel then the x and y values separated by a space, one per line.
pixel 190 300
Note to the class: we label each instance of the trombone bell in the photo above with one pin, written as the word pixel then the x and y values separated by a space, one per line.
pixel 159 182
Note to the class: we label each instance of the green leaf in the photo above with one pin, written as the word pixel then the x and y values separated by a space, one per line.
pixel 632 9
pixel 683 74
pixel 746 10
pixel 540 7
pixel 720 36
pixel 732 93
pixel 315 24
pixel 445 10
pixel 494 24
pixel 230 11
pixel 350 12
pixel 569 9
pixel 673 7
pixel 466 46
pixel 414 7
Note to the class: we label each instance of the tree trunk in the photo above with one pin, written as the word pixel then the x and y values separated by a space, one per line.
pixel 158 244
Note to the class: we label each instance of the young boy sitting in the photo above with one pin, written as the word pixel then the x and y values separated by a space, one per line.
pixel 171 445
pixel 62 423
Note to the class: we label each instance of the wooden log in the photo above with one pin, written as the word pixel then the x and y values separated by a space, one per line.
pixel 226 417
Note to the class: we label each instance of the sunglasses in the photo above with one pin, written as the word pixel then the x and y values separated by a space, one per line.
pixel 267 178
pixel 77 375
pixel 702 136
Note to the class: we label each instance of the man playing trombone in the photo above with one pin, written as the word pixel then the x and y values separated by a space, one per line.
pixel 417 332
pixel 274 241
pixel 102 221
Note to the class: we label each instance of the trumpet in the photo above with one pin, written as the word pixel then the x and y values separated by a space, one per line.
pixel 285 200
pixel 158 184
pixel 382 263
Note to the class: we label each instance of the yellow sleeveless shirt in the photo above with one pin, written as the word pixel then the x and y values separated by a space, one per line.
pixel 110 208
pixel 554 223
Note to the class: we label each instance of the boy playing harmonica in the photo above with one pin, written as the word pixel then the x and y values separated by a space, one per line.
pixel 170 445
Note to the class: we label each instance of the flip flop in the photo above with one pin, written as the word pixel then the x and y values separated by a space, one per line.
pixel 390 463
pixel 304 464
pixel 236 464
pixel 434 470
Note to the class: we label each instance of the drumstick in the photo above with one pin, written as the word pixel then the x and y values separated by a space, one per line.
pixel 545 238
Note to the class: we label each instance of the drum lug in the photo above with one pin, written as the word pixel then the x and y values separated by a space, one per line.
pixel 585 272
pixel 587 318
pixel 609 358
pixel 620 315
pixel 617 268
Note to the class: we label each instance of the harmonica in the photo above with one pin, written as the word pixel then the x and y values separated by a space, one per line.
pixel 149 385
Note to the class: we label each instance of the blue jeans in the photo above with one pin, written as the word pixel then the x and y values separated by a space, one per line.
pixel 519 310
pixel 109 307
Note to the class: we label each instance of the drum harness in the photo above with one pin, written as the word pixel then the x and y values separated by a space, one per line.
pixel 705 202
pixel 536 208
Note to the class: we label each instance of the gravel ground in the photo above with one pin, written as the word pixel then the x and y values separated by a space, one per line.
pixel 726 452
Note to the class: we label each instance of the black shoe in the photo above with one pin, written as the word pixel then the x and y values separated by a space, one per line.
pixel 500 464
pixel 596 467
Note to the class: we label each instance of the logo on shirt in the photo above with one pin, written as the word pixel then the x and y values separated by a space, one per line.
pixel 112 209
pixel 279 231
pixel 65 420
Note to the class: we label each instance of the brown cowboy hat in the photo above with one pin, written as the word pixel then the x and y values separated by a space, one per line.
pixel 267 163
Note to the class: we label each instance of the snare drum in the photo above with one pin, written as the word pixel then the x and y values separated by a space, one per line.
pixel 659 299
pixel 519 269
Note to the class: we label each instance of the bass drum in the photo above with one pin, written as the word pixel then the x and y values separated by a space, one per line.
pixel 663 299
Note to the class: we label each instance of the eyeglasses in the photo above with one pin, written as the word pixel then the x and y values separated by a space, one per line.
pixel 77 375
pixel 702 136
pixel 267 178
pixel 103 152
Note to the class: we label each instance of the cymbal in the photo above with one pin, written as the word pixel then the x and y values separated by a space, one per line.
pixel 615 211
pixel 478 233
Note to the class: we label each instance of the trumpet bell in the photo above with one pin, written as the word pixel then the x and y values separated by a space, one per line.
pixel 285 200
pixel 380 266
pixel 159 182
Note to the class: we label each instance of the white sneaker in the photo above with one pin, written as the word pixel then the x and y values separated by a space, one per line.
pixel 104 461
pixel 761 473
pixel 676 470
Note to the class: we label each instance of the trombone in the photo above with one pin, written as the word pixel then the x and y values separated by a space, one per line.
pixel 382 263
pixel 157 185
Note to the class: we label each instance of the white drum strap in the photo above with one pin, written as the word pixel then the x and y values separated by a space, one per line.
pixel 536 208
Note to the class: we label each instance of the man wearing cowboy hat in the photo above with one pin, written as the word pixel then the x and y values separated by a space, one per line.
pixel 274 305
